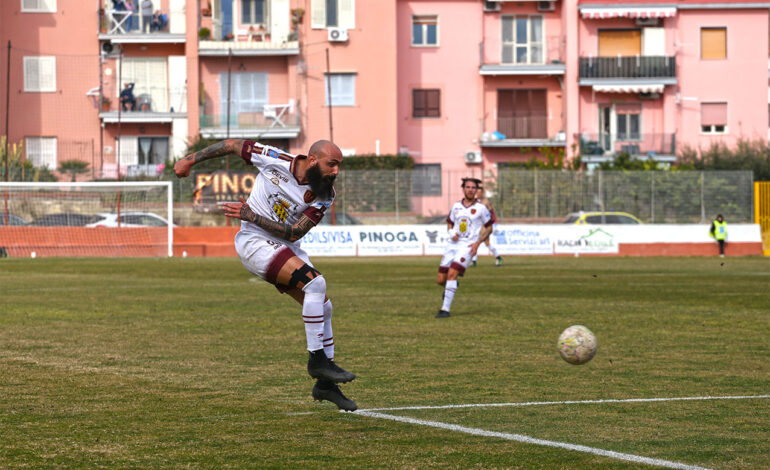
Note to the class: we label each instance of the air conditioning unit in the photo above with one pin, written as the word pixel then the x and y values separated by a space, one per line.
pixel 473 157
pixel 491 5
pixel 647 21
pixel 546 6
pixel 649 95
pixel 338 35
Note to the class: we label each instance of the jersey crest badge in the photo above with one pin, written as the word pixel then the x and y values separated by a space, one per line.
pixel 473 211
pixel 280 206
pixel 274 180
pixel 309 196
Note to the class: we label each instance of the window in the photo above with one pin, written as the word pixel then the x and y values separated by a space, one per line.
pixel 713 118
pixel 426 179
pixel 522 40
pixel 150 78
pixel 522 114
pixel 343 89
pixel 38 6
pixel 153 150
pixel 620 42
pixel 713 43
pixel 248 94
pixel 41 152
pixel 253 12
pixel 426 103
pixel 332 14
pixel 425 30
pixel 628 120
pixel 40 73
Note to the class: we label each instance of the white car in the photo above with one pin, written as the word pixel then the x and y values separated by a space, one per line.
pixel 129 219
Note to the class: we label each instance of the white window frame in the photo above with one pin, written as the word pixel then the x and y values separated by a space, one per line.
pixel 43 6
pixel 424 28
pixel 349 99
pixel 41 151
pixel 265 16
pixel 346 14
pixel 712 129
pixel 43 62
pixel 628 137
pixel 528 44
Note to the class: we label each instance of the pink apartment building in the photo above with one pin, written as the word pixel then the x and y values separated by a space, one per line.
pixel 464 86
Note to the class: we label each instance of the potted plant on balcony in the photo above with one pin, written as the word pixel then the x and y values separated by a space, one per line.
pixel 106 103
pixel 206 11
pixel 204 33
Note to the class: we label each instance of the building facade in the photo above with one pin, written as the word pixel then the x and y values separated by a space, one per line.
pixel 461 85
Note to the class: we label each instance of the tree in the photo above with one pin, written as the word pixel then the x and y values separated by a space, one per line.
pixel 73 167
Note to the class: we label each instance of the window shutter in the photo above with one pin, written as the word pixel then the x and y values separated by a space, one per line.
pixel 129 151
pixel 31 74
pixel 347 14
pixel 158 84
pixel 318 14
pixel 713 114
pixel 47 73
pixel 279 20
pixel 713 43
pixel 48 152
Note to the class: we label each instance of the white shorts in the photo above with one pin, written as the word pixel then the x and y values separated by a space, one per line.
pixel 264 257
pixel 457 256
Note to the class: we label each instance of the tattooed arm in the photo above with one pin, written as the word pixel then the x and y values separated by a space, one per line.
pixel 292 233
pixel 220 149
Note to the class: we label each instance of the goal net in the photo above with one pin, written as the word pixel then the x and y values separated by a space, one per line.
pixel 86 219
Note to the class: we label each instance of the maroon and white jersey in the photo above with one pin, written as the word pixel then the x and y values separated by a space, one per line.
pixel 277 194
pixel 468 221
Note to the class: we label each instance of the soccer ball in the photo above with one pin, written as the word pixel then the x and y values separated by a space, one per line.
pixel 577 345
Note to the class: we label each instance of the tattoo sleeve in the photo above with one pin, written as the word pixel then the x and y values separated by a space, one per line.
pixel 288 232
pixel 485 232
pixel 220 149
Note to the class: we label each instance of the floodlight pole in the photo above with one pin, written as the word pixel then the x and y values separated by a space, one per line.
pixel 7 136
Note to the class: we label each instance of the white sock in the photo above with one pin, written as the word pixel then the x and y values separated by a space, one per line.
pixel 475 257
pixel 493 250
pixel 313 313
pixel 328 338
pixel 449 294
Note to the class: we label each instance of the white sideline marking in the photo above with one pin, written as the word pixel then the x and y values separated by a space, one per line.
pixel 568 402
pixel 532 440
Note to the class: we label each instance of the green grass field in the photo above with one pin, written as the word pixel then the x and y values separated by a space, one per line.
pixel 192 363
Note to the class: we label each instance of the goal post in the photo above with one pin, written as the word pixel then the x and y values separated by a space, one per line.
pixel 132 218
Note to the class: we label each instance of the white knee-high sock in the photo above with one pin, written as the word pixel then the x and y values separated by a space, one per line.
pixel 493 250
pixel 328 337
pixel 449 294
pixel 313 312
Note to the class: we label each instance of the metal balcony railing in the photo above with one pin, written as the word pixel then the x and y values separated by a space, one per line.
pixel 631 143
pixel 251 120
pixel 523 127
pixel 550 51
pixel 628 67
pixel 113 21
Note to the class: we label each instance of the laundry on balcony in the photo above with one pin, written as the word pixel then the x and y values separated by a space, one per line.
pixel 627 12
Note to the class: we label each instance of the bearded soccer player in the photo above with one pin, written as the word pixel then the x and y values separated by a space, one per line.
pixel 483 198
pixel 289 197
pixel 469 222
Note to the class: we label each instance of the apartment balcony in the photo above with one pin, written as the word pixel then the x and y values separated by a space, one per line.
pixel 522 131
pixel 604 146
pixel 630 72
pixel 532 58
pixel 124 27
pixel 151 105
pixel 248 47
pixel 275 122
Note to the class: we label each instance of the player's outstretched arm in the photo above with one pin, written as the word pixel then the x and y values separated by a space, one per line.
pixel 219 149
pixel 483 235
pixel 292 233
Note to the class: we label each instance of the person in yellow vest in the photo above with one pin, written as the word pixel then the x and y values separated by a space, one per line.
pixel 719 232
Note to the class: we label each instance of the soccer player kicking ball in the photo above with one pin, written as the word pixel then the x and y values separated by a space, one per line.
pixel 289 197
pixel 469 223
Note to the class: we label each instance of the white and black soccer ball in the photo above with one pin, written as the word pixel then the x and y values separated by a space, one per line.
pixel 577 344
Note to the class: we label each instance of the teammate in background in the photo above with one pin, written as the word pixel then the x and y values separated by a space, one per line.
pixel 469 222
pixel 289 197
pixel 483 198
pixel 718 231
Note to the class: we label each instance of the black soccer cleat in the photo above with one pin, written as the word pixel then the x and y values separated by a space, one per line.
pixel 499 261
pixel 473 263
pixel 442 314
pixel 329 391
pixel 321 367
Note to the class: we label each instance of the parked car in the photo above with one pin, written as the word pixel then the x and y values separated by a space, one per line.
pixel 65 218
pixel 12 220
pixel 340 218
pixel 598 218
pixel 128 219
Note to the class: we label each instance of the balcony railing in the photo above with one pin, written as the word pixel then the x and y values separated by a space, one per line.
pixel 523 127
pixel 631 143
pixel 547 52
pixel 628 67
pixel 277 121
pixel 119 22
